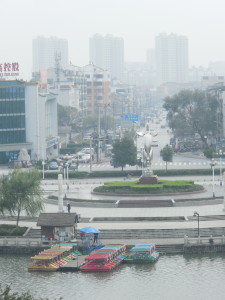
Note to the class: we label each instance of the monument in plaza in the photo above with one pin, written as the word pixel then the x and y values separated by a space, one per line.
pixel 147 176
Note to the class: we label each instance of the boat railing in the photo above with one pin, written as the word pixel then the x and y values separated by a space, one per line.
pixel 204 240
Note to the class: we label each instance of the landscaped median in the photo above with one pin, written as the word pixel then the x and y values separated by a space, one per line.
pixel 136 173
pixel 134 187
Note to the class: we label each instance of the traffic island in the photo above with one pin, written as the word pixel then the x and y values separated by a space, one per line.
pixel 162 187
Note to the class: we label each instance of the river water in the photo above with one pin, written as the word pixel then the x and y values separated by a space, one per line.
pixel 172 277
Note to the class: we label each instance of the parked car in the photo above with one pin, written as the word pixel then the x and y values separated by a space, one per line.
pixel 15 164
pixel 27 164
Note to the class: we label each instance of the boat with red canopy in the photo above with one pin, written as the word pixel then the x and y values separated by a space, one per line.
pixel 104 259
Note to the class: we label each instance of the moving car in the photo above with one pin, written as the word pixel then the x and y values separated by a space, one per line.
pixel 53 165
pixel 155 144
pixel 72 167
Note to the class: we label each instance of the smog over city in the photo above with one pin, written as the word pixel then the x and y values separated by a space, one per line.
pixel 136 22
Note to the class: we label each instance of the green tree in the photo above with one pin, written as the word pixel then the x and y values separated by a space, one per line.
pixel 91 122
pixel 124 152
pixel 67 115
pixel 167 154
pixel 208 152
pixel 191 112
pixel 21 191
pixel 7 294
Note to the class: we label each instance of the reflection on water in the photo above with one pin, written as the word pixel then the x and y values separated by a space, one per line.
pixel 173 277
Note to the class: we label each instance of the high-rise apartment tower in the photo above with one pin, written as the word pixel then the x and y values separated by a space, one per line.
pixel 107 52
pixel 48 51
pixel 171 58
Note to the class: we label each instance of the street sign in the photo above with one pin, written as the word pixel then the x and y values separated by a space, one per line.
pixel 132 118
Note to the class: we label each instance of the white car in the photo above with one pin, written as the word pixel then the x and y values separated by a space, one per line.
pixel 155 144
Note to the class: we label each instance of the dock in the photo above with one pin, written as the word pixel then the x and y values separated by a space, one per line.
pixel 73 265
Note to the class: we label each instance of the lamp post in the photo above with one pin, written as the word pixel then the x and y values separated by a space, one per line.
pixel 212 164
pixel 196 214
pixel 90 155
pixel 221 179
pixel 43 169
pixel 67 173
pixel 224 192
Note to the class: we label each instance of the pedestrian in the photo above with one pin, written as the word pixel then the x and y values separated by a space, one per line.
pixel 68 187
pixel 68 207
pixel 82 235
pixel 95 238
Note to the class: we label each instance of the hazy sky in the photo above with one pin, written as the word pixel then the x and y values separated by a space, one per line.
pixel 136 21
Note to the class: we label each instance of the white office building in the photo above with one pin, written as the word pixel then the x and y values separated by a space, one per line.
pixel 28 120
pixel 48 52
pixel 171 58
pixel 107 52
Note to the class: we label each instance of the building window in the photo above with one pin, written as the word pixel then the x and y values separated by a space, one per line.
pixel 97 83
pixel 98 76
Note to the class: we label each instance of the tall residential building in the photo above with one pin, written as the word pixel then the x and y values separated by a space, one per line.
pixel 107 52
pixel 171 58
pixel 48 52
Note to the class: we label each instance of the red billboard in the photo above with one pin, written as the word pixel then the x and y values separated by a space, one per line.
pixel 9 69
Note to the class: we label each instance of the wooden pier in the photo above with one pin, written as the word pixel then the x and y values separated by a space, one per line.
pixel 73 265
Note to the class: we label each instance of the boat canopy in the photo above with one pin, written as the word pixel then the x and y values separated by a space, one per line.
pixel 140 249
pixel 96 256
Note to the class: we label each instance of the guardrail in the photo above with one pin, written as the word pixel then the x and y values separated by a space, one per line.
pixel 22 242
pixel 204 240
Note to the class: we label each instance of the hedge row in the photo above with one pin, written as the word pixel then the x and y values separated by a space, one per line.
pixel 165 183
pixel 148 190
pixel 135 173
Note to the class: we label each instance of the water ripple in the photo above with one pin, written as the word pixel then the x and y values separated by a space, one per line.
pixel 173 277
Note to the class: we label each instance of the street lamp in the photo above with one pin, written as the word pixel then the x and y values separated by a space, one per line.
pixel 221 179
pixel 196 214
pixel 224 192
pixel 43 169
pixel 67 173
pixel 90 154
pixel 212 164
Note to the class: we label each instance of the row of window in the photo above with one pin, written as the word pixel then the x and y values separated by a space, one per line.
pixel 10 122
pixel 12 137
pixel 95 83
pixel 12 107
pixel 12 92
pixel 89 91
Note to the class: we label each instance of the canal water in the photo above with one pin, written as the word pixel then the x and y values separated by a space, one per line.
pixel 172 277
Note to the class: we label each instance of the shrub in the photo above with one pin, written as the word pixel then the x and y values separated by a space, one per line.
pixel 6 230
pixel 18 231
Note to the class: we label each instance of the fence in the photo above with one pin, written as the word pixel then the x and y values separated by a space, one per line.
pixel 24 242
pixel 204 240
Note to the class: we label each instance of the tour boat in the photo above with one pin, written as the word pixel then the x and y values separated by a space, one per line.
pixel 142 253
pixel 52 259
pixel 104 259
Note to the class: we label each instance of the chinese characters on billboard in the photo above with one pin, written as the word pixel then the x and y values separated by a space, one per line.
pixel 9 69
